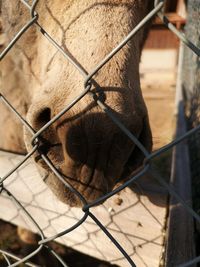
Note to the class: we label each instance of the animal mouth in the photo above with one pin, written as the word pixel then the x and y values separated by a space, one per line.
pixel 68 183
pixel 72 191
pixel 91 164
pixel 89 182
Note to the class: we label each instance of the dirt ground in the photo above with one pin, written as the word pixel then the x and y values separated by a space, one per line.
pixel 9 241
pixel 159 94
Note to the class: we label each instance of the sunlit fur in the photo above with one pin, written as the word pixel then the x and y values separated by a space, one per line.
pixel 84 144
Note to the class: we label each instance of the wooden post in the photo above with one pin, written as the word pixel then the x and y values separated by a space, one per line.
pixel 191 84
pixel 180 228
pixel 180 243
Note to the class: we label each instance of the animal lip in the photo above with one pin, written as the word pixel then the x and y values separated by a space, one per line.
pixel 97 171
pixel 46 146
pixel 65 192
pixel 91 187
pixel 44 149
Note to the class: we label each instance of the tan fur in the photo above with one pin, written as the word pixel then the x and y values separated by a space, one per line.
pixel 27 236
pixel 85 145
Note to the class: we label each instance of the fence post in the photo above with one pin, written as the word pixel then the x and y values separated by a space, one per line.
pixel 191 85
pixel 190 82
pixel 179 246
pixel 191 66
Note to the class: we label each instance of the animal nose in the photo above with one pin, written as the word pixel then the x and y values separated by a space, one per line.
pixel 93 141
pixel 95 152
pixel 40 117
pixel 86 147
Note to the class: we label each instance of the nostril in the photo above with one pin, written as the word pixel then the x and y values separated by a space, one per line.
pixel 42 117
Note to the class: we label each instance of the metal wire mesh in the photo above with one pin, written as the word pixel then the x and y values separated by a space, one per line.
pixel 36 139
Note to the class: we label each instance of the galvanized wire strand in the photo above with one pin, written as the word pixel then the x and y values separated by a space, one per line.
pixel 173 192
pixel 19 261
pixel 57 257
pixel 12 256
pixel 190 263
pixel 76 64
pixel 99 66
pixel 39 231
pixel 68 230
pixel 123 128
pixel 73 190
pixel 14 199
pixel 17 36
pixel 26 258
pixel 173 143
pixel 26 4
pixel 1 187
pixel 33 6
pixel 117 190
pixel 61 178
pixel 56 117
pixel 120 248
pixel 18 115
pixel 37 134
pixel 35 139
pixel 156 2
pixel 179 34
pixel 17 166
pixel 89 77
pixel 62 51
pixel 6 258
pixel 31 130
pixel 124 42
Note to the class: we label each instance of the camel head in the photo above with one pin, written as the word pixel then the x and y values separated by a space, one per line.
pixel 87 148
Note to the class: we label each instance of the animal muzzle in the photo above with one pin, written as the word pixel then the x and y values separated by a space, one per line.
pixel 90 152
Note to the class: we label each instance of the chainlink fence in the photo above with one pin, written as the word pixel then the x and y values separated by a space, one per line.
pixel 87 212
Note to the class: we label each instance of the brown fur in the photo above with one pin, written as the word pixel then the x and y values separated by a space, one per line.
pixel 84 144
